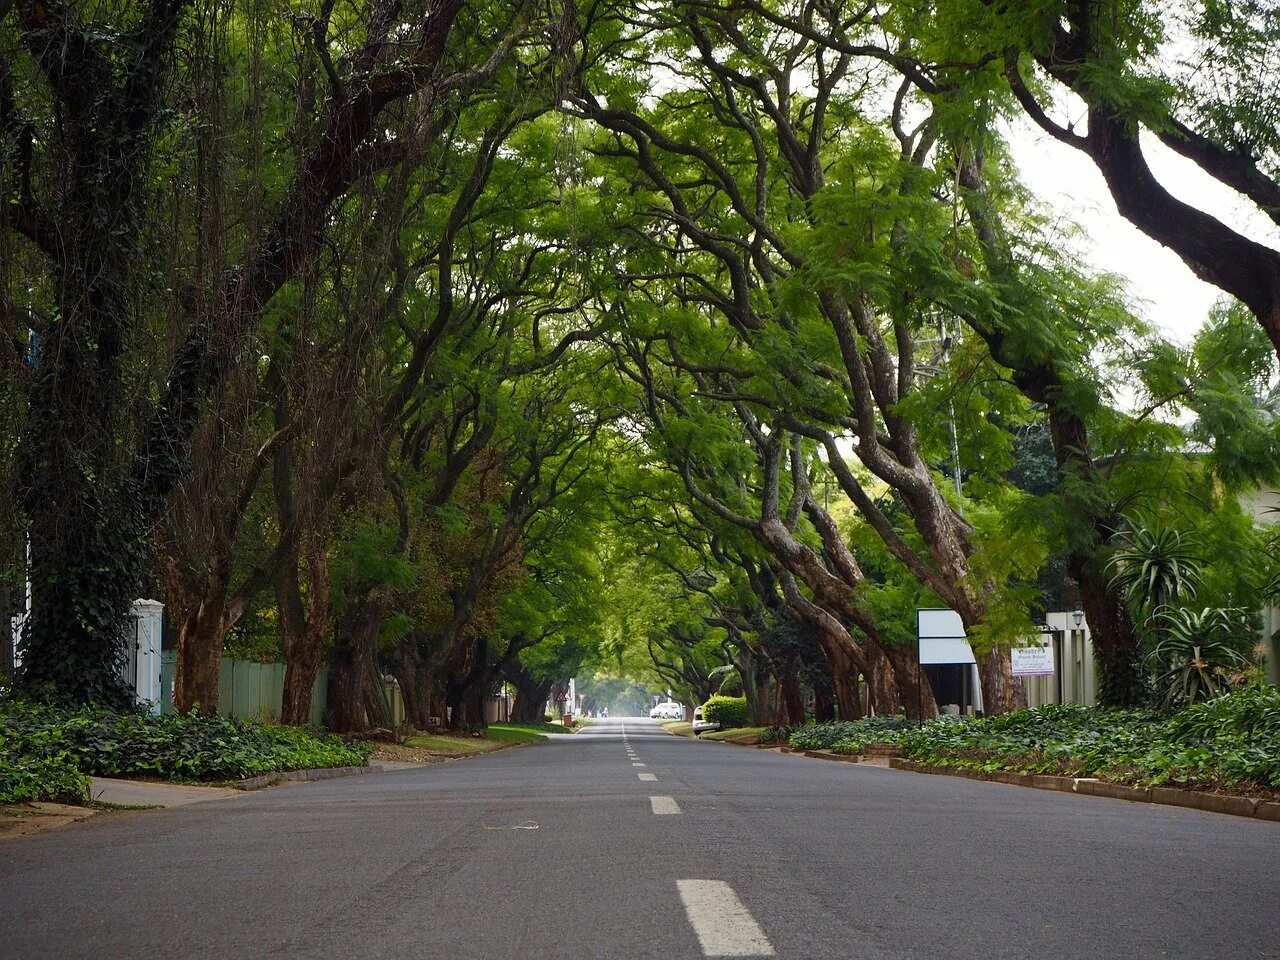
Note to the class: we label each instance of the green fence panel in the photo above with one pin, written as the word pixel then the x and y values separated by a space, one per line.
pixel 247 690
pixel 168 670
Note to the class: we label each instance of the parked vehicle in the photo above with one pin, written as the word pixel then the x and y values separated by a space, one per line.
pixel 667 711
pixel 700 725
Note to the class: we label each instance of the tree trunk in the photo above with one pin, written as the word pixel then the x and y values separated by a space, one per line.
pixel 1115 641
pixel 792 700
pixel 199 665
pixel 377 705
pixel 1001 691
pixel 824 708
pixel 1040 378
pixel 844 680
pixel 82 583
pixel 914 693
pixel 302 665
pixel 407 669
pixel 531 694
pixel 882 682
pixel 354 647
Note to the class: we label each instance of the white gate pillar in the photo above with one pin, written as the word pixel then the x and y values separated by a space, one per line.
pixel 148 618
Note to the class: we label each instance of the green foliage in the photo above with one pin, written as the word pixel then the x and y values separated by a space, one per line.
pixel 1156 566
pixel 1231 741
pixel 101 742
pixel 1199 654
pixel 729 712
pixel 849 736
pixel 27 777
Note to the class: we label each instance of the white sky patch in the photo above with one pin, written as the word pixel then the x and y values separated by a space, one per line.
pixel 1168 294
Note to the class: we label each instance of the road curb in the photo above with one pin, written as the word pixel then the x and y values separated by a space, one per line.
pixel 830 755
pixel 1228 804
pixel 324 773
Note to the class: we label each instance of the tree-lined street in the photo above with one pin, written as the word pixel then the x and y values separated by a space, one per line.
pixel 555 851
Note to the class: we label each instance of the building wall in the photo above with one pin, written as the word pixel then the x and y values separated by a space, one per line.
pixel 1264 505
pixel 1075 677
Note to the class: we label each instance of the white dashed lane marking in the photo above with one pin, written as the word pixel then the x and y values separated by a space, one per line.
pixel 664 805
pixel 724 926
pixel 646 776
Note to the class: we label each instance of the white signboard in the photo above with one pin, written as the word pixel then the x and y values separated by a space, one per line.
pixel 1033 661
pixel 942 637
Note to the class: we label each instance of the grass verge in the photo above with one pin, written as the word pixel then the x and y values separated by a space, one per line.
pixel 680 728
pixel 747 735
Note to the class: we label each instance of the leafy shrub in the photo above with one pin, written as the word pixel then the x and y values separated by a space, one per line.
pixel 28 778
pixel 729 712
pixel 849 736
pixel 778 733
pixel 1228 742
pixel 101 742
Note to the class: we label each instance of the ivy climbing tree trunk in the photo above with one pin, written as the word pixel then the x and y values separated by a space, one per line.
pixel 86 525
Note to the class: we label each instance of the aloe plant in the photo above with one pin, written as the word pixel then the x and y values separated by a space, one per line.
pixel 1156 567
pixel 1198 654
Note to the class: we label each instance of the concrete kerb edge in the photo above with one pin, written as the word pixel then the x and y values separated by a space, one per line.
pixel 323 773
pixel 328 773
pixel 1234 806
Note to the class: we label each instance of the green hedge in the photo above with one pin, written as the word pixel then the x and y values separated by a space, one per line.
pixel 729 712
pixel 100 742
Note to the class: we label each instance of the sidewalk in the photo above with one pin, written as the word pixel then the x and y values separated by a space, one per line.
pixel 140 793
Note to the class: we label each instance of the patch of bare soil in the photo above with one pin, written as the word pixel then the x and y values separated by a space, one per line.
pixel 22 819
pixel 400 753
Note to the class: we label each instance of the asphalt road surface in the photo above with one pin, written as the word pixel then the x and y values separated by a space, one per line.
pixel 626 842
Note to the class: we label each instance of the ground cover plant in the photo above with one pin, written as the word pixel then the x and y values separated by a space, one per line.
pixel 848 736
pixel 101 742
pixel 1232 742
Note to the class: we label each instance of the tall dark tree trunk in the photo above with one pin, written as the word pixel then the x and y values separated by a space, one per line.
pixel 912 691
pixel 531 694
pixel 377 704
pixel 199 665
pixel 792 700
pixel 354 648
pixel 1000 688
pixel 824 708
pixel 1115 640
pixel 406 666
pixel 88 522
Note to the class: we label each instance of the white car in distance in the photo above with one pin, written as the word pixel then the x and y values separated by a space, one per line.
pixel 667 711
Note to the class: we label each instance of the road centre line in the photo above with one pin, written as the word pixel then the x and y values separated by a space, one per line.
pixel 647 776
pixel 724 925
pixel 637 764
pixel 664 805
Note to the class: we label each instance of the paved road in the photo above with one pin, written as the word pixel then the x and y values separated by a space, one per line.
pixel 562 851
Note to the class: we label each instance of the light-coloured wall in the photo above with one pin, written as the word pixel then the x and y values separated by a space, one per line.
pixel 1264 505
pixel 1073 663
